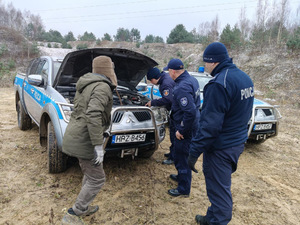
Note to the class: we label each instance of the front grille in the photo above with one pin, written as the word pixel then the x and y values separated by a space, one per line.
pixel 117 117
pixel 142 115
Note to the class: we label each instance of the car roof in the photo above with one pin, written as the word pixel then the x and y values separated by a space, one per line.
pixel 205 74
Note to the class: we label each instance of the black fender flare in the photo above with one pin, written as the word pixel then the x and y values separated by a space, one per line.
pixel 49 113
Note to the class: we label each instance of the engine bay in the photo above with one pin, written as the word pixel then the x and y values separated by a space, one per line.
pixel 129 97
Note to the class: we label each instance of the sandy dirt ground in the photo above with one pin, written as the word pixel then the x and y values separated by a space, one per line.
pixel 265 187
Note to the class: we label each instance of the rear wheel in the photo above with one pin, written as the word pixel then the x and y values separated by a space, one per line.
pixel 57 160
pixel 24 120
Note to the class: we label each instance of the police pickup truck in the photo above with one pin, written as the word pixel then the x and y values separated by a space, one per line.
pixel 45 95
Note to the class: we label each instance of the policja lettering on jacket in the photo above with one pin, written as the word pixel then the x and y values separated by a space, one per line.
pixel 247 93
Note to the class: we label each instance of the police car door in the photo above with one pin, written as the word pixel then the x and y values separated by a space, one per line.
pixel 34 90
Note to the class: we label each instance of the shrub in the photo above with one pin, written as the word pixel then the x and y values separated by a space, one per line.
pixel 3 49
pixel 11 64
pixel 82 46
pixel 179 54
pixel 98 42
pixel 34 50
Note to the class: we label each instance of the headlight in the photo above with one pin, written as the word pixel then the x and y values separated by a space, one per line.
pixel 160 114
pixel 157 114
pixel 164 114
pixel 66 110
pixel 264 114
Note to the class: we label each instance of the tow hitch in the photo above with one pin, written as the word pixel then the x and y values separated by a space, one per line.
pixel 261 137
pixel 130 151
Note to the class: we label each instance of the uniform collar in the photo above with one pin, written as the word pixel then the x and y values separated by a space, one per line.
pixel 221 66
pixel 182 76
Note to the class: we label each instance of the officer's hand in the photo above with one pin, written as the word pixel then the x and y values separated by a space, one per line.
pixel 148 104
pixel 179 136
pixel 191 162
pixel 98 155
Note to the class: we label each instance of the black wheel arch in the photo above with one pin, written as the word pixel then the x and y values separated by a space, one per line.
pixel 49 114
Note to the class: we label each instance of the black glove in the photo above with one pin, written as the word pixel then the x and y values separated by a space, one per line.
pixel 191 162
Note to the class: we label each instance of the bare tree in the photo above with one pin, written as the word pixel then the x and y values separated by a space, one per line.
pixel 15 18
pixel 271 23
pixel 244 25
pixel 3 15
pixel 214 29
pixel 204 28
pixel 283 13
pixel 34 26
pixel 262 14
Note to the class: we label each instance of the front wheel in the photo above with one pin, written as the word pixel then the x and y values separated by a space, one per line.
pixel 24 120
pixel 57 160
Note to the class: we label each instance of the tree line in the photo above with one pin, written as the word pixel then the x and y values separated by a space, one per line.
pixel 270 28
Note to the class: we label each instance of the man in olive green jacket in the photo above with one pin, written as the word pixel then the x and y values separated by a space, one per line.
pixel 83 137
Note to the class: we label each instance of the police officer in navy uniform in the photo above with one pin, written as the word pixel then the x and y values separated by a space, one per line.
pixel 227 108
pixel 184 113
pixel 166 85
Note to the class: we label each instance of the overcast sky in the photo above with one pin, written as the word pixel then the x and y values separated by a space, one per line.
pixel 157 17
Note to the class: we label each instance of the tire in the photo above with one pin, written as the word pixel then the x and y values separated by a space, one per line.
pixel 24 120
pixel 57 160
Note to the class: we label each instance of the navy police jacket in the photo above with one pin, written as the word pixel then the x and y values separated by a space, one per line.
pixel 166 85
pixel 186 104
pixel 227 108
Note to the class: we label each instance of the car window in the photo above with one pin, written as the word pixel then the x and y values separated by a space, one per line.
pixel 45 69
pixel 202 81
pixel 39 67
pixel 33 66
pixel 56 65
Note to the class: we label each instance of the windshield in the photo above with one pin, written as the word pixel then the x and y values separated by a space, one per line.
pixel 56 66
pixel 202 81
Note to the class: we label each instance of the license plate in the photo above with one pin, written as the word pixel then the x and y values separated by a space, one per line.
pixel 265 126
pixel 128 138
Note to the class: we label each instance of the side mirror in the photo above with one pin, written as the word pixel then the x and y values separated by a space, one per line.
pixel 36 80
pixel 141 87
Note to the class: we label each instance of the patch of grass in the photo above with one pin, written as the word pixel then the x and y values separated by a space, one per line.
pixel 179 54
pixel 57 195
pixel 39 184
pixel 271 93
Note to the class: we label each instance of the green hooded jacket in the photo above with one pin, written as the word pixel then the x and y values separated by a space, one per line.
pixel 91 116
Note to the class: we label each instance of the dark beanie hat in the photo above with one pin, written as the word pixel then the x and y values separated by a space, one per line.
pixel 215 52
pixel 153 73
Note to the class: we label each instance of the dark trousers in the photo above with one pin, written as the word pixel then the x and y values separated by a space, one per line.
pixel 218 165
pixel 181 154
pixel 172 138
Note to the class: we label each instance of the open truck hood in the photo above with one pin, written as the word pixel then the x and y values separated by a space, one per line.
pixel 130 66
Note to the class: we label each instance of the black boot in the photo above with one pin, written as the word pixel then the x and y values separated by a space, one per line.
pixel 201 220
